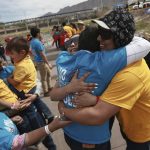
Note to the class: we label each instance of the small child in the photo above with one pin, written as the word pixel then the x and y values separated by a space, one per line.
pixel 23 79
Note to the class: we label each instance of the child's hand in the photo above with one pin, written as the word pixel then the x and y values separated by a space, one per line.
pixel 84 100
pixel 16 105
pixel 17 119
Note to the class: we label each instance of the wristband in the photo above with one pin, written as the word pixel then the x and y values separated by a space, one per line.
pixel 97 99
pixel 13 106
pixel 47 130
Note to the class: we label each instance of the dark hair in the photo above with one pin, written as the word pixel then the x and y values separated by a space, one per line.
pixel 2 49
pixel 34 31
pixel 88 39
pixel 64 24
pixel 74 25
pixel 17 44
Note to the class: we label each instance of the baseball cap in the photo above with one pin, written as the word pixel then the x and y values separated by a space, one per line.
pixel 80 22
pixel 121 24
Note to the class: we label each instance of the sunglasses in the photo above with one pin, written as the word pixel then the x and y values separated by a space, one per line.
pixel 105 34
pixel 72 40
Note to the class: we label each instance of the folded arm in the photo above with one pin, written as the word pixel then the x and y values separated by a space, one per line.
pixel 98 114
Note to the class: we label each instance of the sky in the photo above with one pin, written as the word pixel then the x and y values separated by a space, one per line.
pixel 11 10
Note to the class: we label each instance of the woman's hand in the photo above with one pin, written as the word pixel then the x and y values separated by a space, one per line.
pixel 78 85
pixel 84 100
pixel 57 123
pixel 61 107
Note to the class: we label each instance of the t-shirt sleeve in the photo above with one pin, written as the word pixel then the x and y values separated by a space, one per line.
pixel 137 49
pixel 19 73
pixel 123 91
pixel 39 46
pixel 18 142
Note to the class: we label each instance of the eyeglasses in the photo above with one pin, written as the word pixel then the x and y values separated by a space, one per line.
pixel 72 40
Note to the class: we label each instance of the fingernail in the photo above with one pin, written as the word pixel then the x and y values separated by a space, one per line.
pixel 92 91
pixel 95 87
pixel 96 83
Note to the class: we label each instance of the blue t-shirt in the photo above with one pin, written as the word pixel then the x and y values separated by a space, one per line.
pixel 6 71
pixel 103 66
pixel 7 132
pixel 37 47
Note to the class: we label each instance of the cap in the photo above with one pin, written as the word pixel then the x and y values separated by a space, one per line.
pixel 80 22
pixel 101 23
pixel 121 23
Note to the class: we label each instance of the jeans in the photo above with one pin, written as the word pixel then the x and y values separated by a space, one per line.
pixel 135 146
pixel 75 145
pixel 42 108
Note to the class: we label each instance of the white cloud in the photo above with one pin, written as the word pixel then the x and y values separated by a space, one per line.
pixel 20 9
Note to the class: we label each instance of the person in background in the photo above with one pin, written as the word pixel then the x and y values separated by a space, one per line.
pixel 68 29
pixel 2 53
pixel 62 37
pixel 41 61
pixel 74 27
pixel 29 37
pixel 56 37
pixel 81 26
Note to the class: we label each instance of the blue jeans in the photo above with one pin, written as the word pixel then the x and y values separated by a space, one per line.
pixel 42 108
pixel 75 145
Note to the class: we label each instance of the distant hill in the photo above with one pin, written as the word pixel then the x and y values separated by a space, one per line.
pixel 48 14
pixel 89 4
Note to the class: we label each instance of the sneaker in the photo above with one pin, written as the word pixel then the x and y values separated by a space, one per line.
pixel 46 94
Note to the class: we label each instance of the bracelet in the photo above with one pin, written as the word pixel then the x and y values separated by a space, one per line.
pixel 97 99
pixel 13 106
pixel 47 130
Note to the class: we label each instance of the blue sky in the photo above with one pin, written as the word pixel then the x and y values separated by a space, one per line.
pixel 11 10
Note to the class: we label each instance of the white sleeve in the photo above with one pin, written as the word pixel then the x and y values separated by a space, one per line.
pixel 137 49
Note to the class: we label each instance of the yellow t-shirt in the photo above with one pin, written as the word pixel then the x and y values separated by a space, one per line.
pixel 25 73
pixel 69 31
pixel 6 95
pixel 130 90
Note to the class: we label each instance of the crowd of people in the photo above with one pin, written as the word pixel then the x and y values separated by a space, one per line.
pixel 101 75
pixel 61 33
